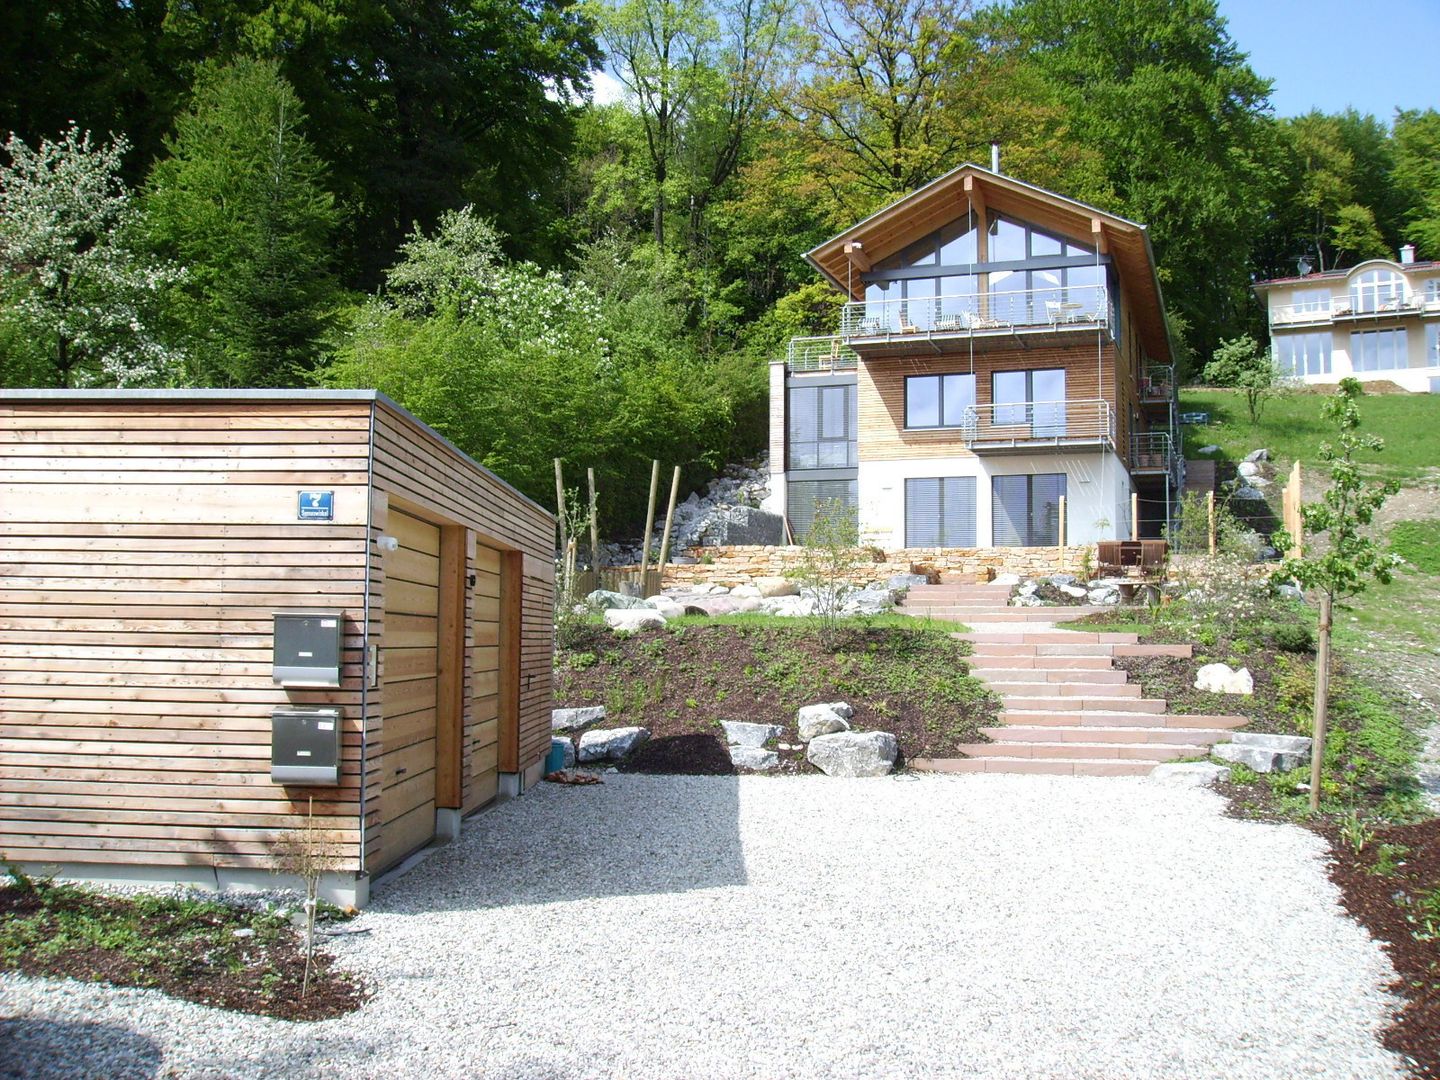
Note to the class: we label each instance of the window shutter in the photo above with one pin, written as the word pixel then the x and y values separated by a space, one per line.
pixel 1008 510
pixel 959 512
pixel 922 513
pixel 803 495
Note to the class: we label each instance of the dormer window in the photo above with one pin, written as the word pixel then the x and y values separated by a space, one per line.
pixel 1377 290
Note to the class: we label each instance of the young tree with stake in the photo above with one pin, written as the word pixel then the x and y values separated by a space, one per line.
pixel 1351 557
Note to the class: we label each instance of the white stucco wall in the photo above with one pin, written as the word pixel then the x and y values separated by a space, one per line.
pixel 1097 493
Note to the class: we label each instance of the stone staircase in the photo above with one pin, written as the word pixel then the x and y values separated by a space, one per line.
pixel 1068 711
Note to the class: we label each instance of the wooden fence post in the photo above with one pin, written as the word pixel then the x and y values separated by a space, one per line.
pixel 594 525
pixel 669 523
pixel 560 507
pixel 649 521
pixel 1061 534
pixel 1134 515
pixel 1290 512
pixel 1210 517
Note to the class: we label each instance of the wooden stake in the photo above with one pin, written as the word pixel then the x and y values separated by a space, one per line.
pixel 1210 512
pixel 560 505
pixel 649 520
pixel 594 524
pixel 669 519
pixel 1322 703
pixel 1134 515
pixel 1061 535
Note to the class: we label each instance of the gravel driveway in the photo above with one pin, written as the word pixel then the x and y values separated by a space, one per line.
pixel 713 927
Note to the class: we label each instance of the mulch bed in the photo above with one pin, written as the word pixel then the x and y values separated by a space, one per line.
pixel 1372 899
pixel 679 683
pixel 195 957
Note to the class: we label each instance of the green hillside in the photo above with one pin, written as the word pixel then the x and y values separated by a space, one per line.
pixel 1290 427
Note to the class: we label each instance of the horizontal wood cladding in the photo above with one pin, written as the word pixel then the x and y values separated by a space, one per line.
pixel 880 393
pixel 143 551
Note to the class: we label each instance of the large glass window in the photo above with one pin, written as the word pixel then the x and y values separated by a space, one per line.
pixel 822 427
pixel 1025 510
pixel 1377 290
pixel 1297 355
pixel 938 400
pixel 1310 301
pixel 1035 397
pixel 1378 350
pixel 940 512
pixel 958 242
pixel 803 498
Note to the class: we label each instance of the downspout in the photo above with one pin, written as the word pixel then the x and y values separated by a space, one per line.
pixel 365 666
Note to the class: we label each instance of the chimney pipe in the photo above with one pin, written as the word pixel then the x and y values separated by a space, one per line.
pixel 1407 254
pixel 994 156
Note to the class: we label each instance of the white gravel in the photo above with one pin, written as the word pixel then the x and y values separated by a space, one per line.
pixel 715 927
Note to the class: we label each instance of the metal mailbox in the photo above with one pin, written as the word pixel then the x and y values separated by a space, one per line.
pixel 308 648
pixel 305 746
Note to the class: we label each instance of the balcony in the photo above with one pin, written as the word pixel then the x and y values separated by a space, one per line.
pixel 1038 425
pixel 1319 312
pixel 819 354
pixel 974 315
pixel 1152 453
pixel 1157 385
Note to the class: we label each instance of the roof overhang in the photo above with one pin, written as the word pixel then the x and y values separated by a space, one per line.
pixel 843 258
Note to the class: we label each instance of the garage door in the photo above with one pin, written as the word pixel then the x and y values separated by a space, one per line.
pixel 485 675
pixel 410 681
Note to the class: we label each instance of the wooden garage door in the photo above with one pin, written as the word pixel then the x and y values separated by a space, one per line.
pixel 485 677
pixel 410 668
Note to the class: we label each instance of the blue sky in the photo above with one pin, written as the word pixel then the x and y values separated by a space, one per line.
pixel 1327 54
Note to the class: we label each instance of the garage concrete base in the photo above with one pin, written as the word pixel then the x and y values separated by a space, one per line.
pixel 343 890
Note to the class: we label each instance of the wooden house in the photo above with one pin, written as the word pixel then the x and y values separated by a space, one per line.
pixel 148 542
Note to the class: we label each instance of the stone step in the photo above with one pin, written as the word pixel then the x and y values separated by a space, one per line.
pixel 1047 637
pixel 990 593
pixel 1093 703
pixel 1016 765
pixel 1133 751
pixel 1081 651
pixel 1027 689
pixel 1008 674
pixel 1080 713
pixel 1185 651
pixel 1090 665
pixel 1017 733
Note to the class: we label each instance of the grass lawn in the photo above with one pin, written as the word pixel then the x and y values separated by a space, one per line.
pixel 198 949
pixel 902 675
pixel 1291 428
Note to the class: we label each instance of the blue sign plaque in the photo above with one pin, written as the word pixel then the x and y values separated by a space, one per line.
pixel 317 506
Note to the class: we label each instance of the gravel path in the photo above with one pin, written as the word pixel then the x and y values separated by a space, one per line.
pixel 712 927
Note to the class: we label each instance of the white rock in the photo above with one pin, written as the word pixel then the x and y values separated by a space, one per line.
pixel 1208 450
pixel 1258 455
pixel 1265 753
pixel 906 581
pixel 629 620
pixel 853 753
pixel 745 591
pixel 1075 592
pixel 776 586
pixel 1006 579
pixel 612 744
pixel 1248 493
pixel 1028 589
pixel 1223 679
pixel 754 757
pixel 575 719
pixel 740 733
pixel 1248 469
pixel 823 719
pixel 604 599
pixel 667 607
pixel 1189 773
pixel 1286 591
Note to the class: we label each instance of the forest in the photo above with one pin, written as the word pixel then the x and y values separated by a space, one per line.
pixel 431 199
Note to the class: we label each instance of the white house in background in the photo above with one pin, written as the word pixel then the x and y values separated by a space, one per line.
pixel 1378 320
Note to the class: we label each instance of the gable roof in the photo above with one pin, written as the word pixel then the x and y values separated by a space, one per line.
pixel 948 197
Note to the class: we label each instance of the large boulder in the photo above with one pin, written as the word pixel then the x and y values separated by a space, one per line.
pixel 711 605
pixel 601 599
pixel 754 757
pixel 906 581
pixel 1223 679
pixel 868 602
pixel 666 607
pixel 1006 579
pixel 630 620
pixel 853 753
pixel 1248 469
pixel 576 719
pixel 823 719
pixel 1248 493
pixel 776 586
pixel 789 606
pixel 1257 455
pixel 1265 753
pixel 745 592
pixel 742 525
pixel 1075 592
pixel 1189 773
pixel 739 733
pixel 611 744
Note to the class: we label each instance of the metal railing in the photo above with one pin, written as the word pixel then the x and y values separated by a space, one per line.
pixel 1038 423
pixel 1348 307
pixel 977 312
pixel 1152 452
pixel 1158 383
pixel 828 353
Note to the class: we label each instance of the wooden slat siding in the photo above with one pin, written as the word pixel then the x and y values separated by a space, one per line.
pixel 482 660
pixel 143 550
pixel 412 466
pixel 880 393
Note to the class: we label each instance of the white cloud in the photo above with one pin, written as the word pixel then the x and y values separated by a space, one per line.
pixel 607 89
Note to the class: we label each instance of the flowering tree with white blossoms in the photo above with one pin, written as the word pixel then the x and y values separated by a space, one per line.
pixel 76 289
